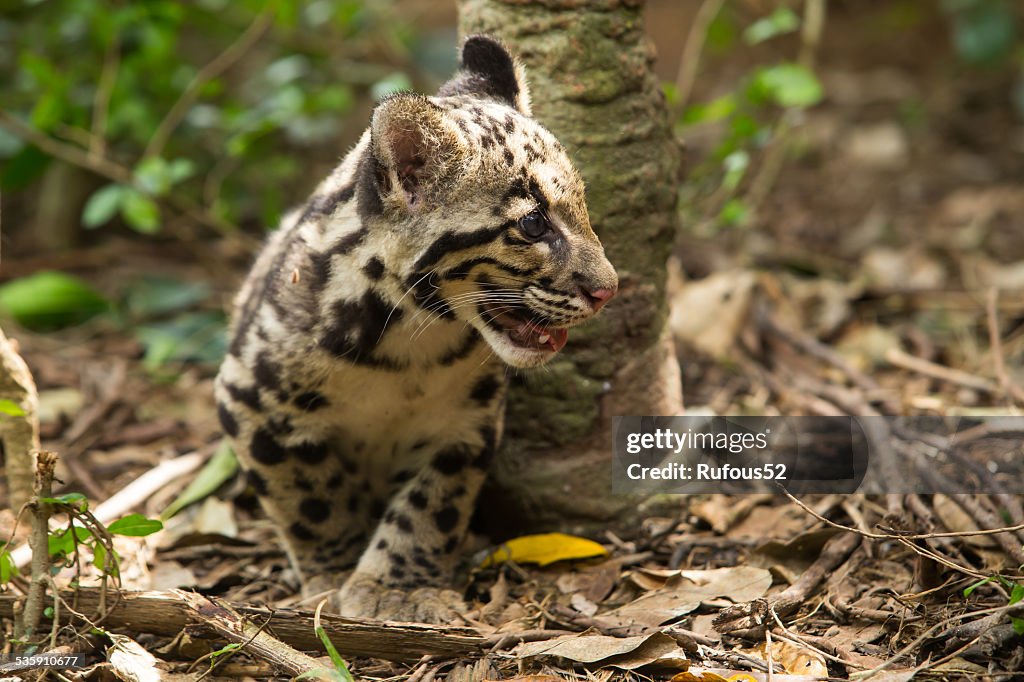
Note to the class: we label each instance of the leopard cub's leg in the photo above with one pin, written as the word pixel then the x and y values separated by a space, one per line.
pixel 308 483
pixel 411 556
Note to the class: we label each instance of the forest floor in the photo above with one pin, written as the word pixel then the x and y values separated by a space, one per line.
pixel 883 274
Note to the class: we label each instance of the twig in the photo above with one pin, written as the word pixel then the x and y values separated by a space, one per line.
pixel 134 493
pixel 231 54
pixel 46 462
pixel 690 59
pixel 1012 391
pixel 101 99
pixel 897 534
pixel 897 357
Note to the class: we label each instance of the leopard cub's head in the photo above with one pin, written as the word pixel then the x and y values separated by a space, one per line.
pixel 487 211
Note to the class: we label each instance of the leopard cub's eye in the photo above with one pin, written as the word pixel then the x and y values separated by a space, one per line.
pixel 534 225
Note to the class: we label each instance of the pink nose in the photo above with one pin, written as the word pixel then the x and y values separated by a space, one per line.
pixel 598 297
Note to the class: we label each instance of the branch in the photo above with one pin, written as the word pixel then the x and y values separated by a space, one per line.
pixel 168 613
pixel 219 65
pixel 38 541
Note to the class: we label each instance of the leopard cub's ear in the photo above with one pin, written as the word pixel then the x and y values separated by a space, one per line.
pixel 416 150
pixel 487 69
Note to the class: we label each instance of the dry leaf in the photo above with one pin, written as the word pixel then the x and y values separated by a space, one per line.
pixel 795 660
pixel 544 549
pixel 626 653
pixel 684 593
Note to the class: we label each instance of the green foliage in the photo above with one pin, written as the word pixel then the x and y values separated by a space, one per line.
pixel 984 31
pixel 50 300
pixel 220 469
pixel 11 408
pixel 135 525
pixel 1016 597
pixel 341 672
pixel 203 103
pixel 749 118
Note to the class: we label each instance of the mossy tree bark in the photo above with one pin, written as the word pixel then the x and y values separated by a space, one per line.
pixel 589 65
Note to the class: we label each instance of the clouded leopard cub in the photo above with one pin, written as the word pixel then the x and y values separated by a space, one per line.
pixel 364 386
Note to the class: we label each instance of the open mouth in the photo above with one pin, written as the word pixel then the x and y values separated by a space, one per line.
pixel 524 333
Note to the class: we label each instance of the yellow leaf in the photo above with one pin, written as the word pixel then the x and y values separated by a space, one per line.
pixel 544 549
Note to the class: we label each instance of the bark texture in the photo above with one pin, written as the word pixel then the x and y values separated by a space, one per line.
pixel 19 434
pixel 589 65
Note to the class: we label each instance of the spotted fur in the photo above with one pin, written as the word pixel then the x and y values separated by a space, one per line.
pixel 365 383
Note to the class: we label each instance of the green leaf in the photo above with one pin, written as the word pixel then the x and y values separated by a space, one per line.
pixel 102 205
pixel 971 588
pixel 779 22
pixel 339 663
pixel 7 567
pixel 789 85
pixel 152 176
pixel 1018 625
pixel 735 167
pixel 11 408
pixel 984 32
pixel 77 500
pixel 1017 593
pixel 50 300
pixel 180 169
pixel 140 211
pixel 155 295
pixel 99 556
pixel 734 212
pixel 221 467
pixel 64 542
pixel 715 110
pixel 222 651
pixel 190 337
pixel 135 525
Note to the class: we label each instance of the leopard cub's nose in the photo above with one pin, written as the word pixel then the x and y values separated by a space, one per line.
pixel 598 297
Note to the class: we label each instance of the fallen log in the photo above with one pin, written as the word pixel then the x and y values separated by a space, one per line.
pixel 169 612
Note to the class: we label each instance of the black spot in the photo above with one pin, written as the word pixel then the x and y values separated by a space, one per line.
pixel 396 572
pixel 315 510
pixel 353 504
pixel 303 483
pixel 249 397
pixel 300 532
pixel 424 562
pixel 227 420
pixel 451 461
pixel 403 522
pixel 267 373
pixel 310 401
pixel 510 124
pixel 357 327
pixel 485 389
pixel 446 519
pixel 264 449
pixel 374 268
pixel 350 241
pixel 509 157
pixel 490 448
pixel 309 453
pixel 463 350
pixel 418 499
pixel 256 482
pixel 424 293
pixel 368 174
pixel 320 270
pixel 350 466
pixel 335 481
pixel 382 544
pixel 450 546
pixel 403 475
pixel 396 559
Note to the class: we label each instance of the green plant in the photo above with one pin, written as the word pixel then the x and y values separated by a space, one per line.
pixel 1016 597
pixel 184 109
pixel 753 119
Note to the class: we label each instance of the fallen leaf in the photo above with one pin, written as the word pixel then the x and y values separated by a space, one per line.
pixel 544 549
pixel 603 651
pixel 684 593
pixel 795 660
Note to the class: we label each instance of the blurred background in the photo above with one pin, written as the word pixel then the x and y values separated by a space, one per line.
pixel 856 164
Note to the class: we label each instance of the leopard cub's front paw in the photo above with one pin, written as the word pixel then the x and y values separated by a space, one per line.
pixel 364 596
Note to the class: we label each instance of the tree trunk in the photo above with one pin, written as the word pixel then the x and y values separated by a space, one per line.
pixel 589 65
